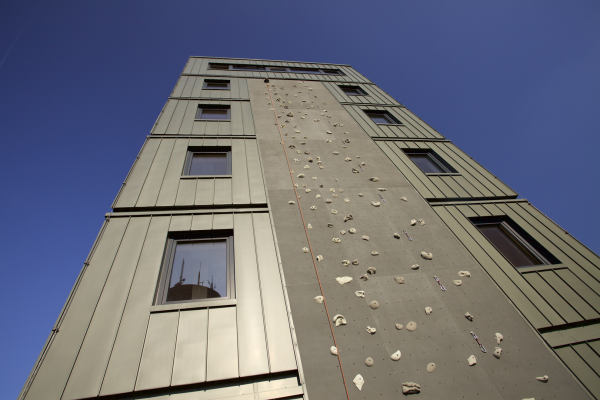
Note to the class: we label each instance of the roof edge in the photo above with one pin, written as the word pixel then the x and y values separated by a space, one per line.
pixel 264 59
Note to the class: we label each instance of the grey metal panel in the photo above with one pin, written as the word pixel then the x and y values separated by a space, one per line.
pixel 180 223
pixel 202 222
pixel 255 173
pixel 181 82
pixel 186 192
pixel 222 221
pixel 580 369
pixel 187 122
pixel 556 302
pixel 136 179
pixel 252 345
pixel 281 351
pixel 237 127
pixel 164 118
pixel 189 87
pixel 190 352
pixel 189 65
pixel 50 380
pixel 570 296
pixel 222 191
pixel 222 359
pixel 456 188
pixel 159 348
pixel 573 335
pixel 168 190
pixel 205 191
pixel 177 118
pixel 197 90
pixel 580 287
pixel 86 378
pixel 239 171
pixel 247 118
pixel 154 180
pixel 126 353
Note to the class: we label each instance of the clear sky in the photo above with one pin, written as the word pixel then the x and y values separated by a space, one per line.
pixel 515 84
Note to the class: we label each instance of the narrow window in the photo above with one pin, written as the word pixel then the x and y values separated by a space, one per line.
pixel 197 269
pixel 218 66
pixel 215 84
pixel 353 91
pixel 305 70
pixel 429 162
pixel 332 71
pixel 382 117
pixel 249 67
pixel 213 112
pixel 278 69
pixel 208 161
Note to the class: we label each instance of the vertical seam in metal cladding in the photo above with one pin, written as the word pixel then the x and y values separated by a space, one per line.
pixel 175 346
pixel 128 174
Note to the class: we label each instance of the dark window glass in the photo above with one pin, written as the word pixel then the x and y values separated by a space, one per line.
pixel 305 70
pixel 214 113
pixel 252 67
pixel 353 91
pixel 381 117
pixel 219 85
pixel 199 271
pixel 332 71
pixel 278 69
pixel 208 164
pixel 218 66
pixel 427 165
pixel 506 243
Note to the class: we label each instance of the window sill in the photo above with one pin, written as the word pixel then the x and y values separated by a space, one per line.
pixel 205 176
pixel 194 305
pixel 445 174
pixel 536 268
pixel 390 124
pixel 213 120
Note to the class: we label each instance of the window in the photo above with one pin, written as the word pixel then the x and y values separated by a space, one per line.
pixel 213 112
pixel 305 70
pixel 248 67
pixel 278 69
pixel 296 70
pixel 429 162
pixel 353 91
pixel 382 117
pixel 215 84
pixel 218 66
pixel 196 269
pixel 207 161
pixel 513 242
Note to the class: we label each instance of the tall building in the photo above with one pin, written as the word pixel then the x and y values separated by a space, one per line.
pixel 289 230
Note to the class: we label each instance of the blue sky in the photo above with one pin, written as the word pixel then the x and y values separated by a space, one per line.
pixel 515 84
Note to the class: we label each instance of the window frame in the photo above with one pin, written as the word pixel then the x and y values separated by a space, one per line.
pixel 202 107
pixel 187 166
pixel 204 84
pixel 279 69
pixel 435 158
pixel 361 91
pixel 385 114
pixel 162 287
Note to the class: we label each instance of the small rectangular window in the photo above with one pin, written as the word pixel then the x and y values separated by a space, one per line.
pixel 299 70
pixel 218 66
pixel 332 72
pixel 382 117
pixel 197 269
pixel 429 162
pixel 353 91
pixel 278 69
pixel 248 67
pixel 213 112
pixel 215 84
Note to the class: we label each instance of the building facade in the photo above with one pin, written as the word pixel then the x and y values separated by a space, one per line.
pixel 289 230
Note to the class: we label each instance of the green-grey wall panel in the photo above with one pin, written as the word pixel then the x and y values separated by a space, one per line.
pixel 191 87
pixel 190 353
pixel 471 181
pixel 222 357
pixel 87 374
pixel 156 179
pixel 580 369
pixel 125 356
pixel 178 118
pixel 374 94
pixel 52 376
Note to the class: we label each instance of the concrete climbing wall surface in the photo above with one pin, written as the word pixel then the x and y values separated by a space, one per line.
pixel 319 132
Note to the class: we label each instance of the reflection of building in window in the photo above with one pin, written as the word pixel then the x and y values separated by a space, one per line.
pixel 208 164
pixel 213 112
pixel 353 91
pixel 382 117
pixel 429 162
pixel 216 84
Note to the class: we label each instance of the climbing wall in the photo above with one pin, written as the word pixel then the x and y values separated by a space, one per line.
pixel 360 250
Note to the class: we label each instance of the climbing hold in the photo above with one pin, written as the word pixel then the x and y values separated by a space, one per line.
pixel 291 202
pixel 332 190
pixel 364 277
pixel 318 196
pixel 399 279
pixel 307 191
pixel 319 258
pixel 397 235
pixel 472 360
pixel 306 167
pixel 428 310
pixel 415 266
pixel 376 203
pixel 371 330
pixel 290 114
pixel 427 256
pixel 354 262
pixel 334 211
pixel 355 171
pixel 305 249
pixel 360 195
pixel 359 381
pixel 314 178
pixel 421 221
pixel 371 270
pixel 381 189
pixel 347 159
pixel 396 356
pixel 348 217
pixel 343 279
pixel 333 350
pixel 410 388
pixel 411 326
pixel 464 273
pixel 321 167
pixel 336 152
pixel 313 208
pixel 403 199
pixel 292 146
pixel 457 282
pixel 360 293
pixel 319 299
pixel 335 195
pixel 352 230
pixel 374 253
pixel 430 367
pixel 300 175
pixel 347 200
pixel 345 263
pixel 369 362
pixel 399 326
pixel 497 352
pixel 499 337
pixel 330 225
pixel 413 222
pixel 328 201
pixel 297 131
pixel 309 226
pixel 365 237
pixel 343 232
pixel 339 320
pixel 374 305
pixel 542 378
pixel 296 160
pixel 469 316
pixel 329 132
pixel 374 179
pixel 336 240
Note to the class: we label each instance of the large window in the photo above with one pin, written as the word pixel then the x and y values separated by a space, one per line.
pixel 213 112
pixel 214 84
pixel 353 91
pixel 205 161
pixel 293 70
pixel 429 162
pixel 196 270
pixel 513 242
pixel 382 117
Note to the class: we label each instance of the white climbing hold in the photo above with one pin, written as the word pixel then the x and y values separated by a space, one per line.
pixel 399 279
pixel 411 326
pixel 343 279
pixel 428 310
pixel 427 256
pixel 291 202
pixel 542 378
pixel 376 203
pixel 328 201
pixel 413 222
pixel 430 367
pixel 359 381
pixel 297 131
pixel 457 282
pixel 360 293
pixel 421 221
pixel 499 337
pixel 319 299
pixel 364 277
pixel 374 253
pixel 345 263
pixel 347 159
pixel 318 196
pixel 472 360
pixel 305 249
pixel 403 199
pixel 365 237
pixel 343 232
pixel 371 330
pixel 319 258
pixel 360 195
pixel 314 178
pixel 369 362
pixel 306 167
pixel 334 211
pixel 352 230
pixel 354 262
pixel 381 189
pixel 396 356
pixel 336 152
pixel 469 316
pixel 399 326
pixel 333 350
pixel 374 179
pixel 313 208
pixel 415 266
pixel 332 190
pixel 464 273
pixel 348 217
pixel 497 352
pixel 307 191
pixel 410 388
pixel 347 200
pixel 339 320
pixel 371 270
pixel 300 175
pixel 397 235
pixel 309 226
pixel 374 305
pixel 336 240
pixel 296 160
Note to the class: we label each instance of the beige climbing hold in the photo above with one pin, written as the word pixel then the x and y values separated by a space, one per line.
pixel 336 240
pixel 354 262
pixel 290 114
pixel 381 189
pixel 321 167
pixel 404 199
pixel 306 167
pixel 421 221
pixel 397 235
pixel 307 191
pixel 410 388
pixel 374 179
pixel 396 356
pixel 472 360
pixel 300 175
pixel 319 258
pixel 330 225
pixel 336 152
pixel 497 352
pixel 348 217
pixel 499 337
pixel 374 253
pixel 328 141
pixel 291 202
pixel 295 185
pixel 360 293
pixel 335 195
pixel 296 160
pixel 428 310
pixel 542 378
pixel 345 263
pixel 360 195
pixel 369 362
pixel 318 196
pixel 347 159
pixel 333 350
pixel 343 279
pixel 365 237
pixel 374 304
pixel 347 200
pixel 413 222
pixel 339 320
pixel 352 230
pixel 314 178
pixel 305 249
pixel 469 316
pixel 364 277
pixel 319 299
pixel 371 270
pixel 329 132
pixel 313 208
pixel 359 381
pixel 457 282
pixel 399 279
pixel 411 326
pixel 376 203
pixel 343 232
pixel 371 330
pixel 399 326
pixel 415 266
pixel 464 273
pixel 430 367
pixel 332 190
pixel 334 211
pixel 427 256
pixel 328 201
pixel 297 131
pixel 309 226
